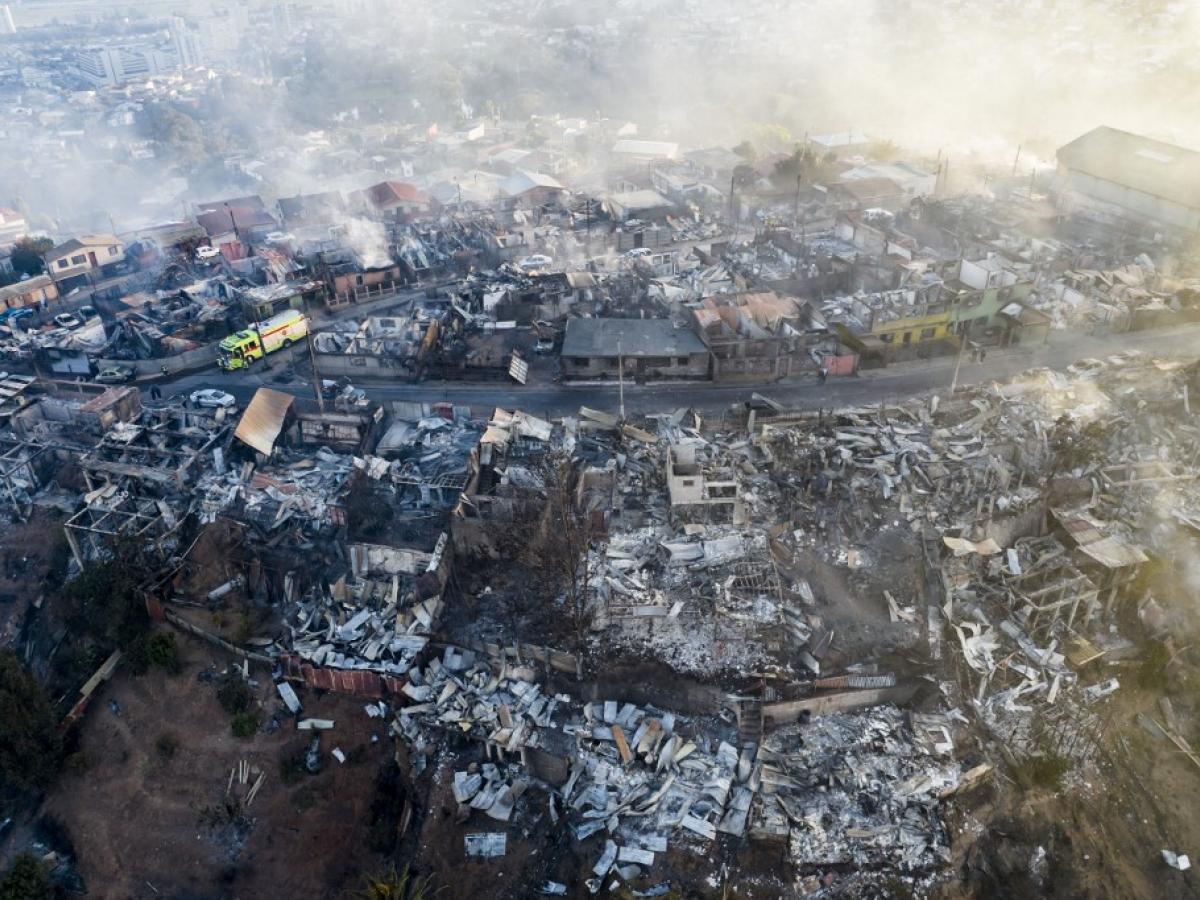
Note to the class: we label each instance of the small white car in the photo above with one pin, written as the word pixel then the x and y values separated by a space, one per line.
pixel 212 398
pixel 638 251
pixel 278 237
pixel 207 254
pixel 537 261
pixel 66 320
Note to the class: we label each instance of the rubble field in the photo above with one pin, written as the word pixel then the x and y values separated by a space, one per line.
pixel 935 648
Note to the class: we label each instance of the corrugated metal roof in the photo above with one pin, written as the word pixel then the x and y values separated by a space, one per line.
pixel 263 419
pixel 1113 553
pixel 635 337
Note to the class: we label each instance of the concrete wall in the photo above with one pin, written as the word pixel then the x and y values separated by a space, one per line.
pixel 1116 198
pixel 359 365
pixel 636 368
pixel 189 360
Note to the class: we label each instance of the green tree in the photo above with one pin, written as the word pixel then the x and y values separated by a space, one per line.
pixel 30 745
pixel 27 255
pixel 28 879
pixel 395 885
pixel 746 151
pixel 772 135
pixel 884 151
pixel 104 604
pixel 744 175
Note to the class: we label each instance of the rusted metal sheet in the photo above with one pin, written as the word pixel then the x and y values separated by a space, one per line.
pixel 263 419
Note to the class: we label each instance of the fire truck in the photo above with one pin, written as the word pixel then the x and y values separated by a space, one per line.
pixel 239 351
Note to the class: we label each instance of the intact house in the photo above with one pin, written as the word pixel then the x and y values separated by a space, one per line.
pixel 904 323
pixel 868 193
pixel 841 143
pixel 1120 174
pixel 82 256
pixel 759 336
pixel 37 291
pixel 907 181
pixel 978 293
pixel 644 205
pixel 305 210
pixel 394 200
pixel 633 154
pixel 229 225
pixel 530 190
pixel 645 349
pixel 12 227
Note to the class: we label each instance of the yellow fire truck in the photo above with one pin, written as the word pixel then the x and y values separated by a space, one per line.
pixel 241 350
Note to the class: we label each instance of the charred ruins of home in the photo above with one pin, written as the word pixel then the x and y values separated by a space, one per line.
pixel 892 600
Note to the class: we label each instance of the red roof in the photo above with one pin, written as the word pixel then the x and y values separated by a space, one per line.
pixel 389 193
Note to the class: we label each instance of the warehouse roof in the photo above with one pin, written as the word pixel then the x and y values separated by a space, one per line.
pixel 1141 163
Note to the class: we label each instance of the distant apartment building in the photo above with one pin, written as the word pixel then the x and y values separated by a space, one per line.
pixel 106 66
pixel 12 227
pixel 188 43
pixel 212 38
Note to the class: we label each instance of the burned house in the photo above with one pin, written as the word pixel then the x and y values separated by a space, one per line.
pixel 348 279
pixel 760 336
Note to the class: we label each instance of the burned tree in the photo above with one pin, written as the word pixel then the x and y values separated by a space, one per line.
pixel 557 552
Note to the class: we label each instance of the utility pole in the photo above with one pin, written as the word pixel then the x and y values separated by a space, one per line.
pixel 732 204
pixel 621 379
pixel 312 356
pixel 962 346
pixel 1017 160
pixel 796 209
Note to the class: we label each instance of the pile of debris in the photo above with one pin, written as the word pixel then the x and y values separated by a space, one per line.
pixel 638 778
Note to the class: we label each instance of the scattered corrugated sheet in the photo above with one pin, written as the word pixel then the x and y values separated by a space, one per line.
pixel 263 419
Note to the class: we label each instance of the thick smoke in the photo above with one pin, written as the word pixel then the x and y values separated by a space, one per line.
pixel 368 240
pixel 969 80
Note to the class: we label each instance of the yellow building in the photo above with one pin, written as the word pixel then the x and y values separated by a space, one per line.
pixel 914 329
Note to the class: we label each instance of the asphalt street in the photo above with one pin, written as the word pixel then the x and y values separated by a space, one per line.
pixel 893 383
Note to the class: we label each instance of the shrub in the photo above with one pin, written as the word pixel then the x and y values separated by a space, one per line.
pixel 159 650
pixel 77 763
pixel 163 651
pixel 104 602
pixel 27 879
pixel 167 744
pixel 1152 671
pixel 30 744
pixel 234 694
pixel 245 724
pixel 1044 770
pixel 291 766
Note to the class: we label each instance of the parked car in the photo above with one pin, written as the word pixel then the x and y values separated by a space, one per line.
pixel 67 320
pixel 638 251
pixel 537 261
pixel 277 237
pixel 114 375
pixel 212 398
pixel 207 254
pixel 87 312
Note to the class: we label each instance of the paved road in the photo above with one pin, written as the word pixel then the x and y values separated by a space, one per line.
pixel 895 382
